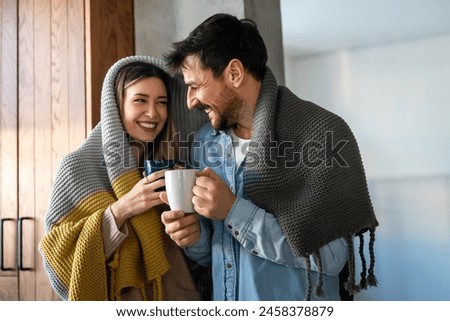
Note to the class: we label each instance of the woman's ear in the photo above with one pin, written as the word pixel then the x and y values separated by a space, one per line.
pixel 235 72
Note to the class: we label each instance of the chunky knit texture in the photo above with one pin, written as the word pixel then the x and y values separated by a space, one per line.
pixel 89 180
pixel 304 166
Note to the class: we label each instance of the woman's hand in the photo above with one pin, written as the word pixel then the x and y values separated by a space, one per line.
pixel 141 197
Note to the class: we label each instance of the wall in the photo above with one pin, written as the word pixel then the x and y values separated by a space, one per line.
pixel 396 98
pixel 159 23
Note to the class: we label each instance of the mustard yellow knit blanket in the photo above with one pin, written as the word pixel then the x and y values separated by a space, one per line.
pixel 74 253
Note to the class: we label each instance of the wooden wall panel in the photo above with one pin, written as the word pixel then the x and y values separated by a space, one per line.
pixel 59 82
pixel 76 73
pixel 42 134
pixel 52 118
pixel 8 111
pixel 8 145
pixel 8 288
pixel 109 36
pixel 26 142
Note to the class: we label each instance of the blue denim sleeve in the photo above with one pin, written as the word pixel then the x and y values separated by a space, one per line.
pixel 259 232
pixel 200 251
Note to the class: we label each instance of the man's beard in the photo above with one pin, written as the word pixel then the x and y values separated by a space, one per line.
pixel 230 114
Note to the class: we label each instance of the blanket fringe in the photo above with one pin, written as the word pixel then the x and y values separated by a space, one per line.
pixel 363 282
pixel 318 289
pixel 308 279
pixel 371 279
pixel 367 275
pixel 113 265
pixel 350 285
pixel 157 289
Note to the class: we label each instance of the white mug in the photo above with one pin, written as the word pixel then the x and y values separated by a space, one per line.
pixel 179 184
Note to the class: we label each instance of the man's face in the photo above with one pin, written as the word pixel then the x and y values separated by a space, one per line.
pixel 213 95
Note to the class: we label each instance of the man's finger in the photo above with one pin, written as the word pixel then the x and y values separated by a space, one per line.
pixel 208 172
pixel 170 216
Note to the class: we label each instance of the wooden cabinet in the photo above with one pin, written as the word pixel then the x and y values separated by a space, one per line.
pixel 9 284
pixel 54 55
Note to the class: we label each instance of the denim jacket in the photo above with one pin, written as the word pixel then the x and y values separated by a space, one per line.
pixel 248 252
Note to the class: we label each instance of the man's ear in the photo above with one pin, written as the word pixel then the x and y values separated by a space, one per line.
pixel 235 72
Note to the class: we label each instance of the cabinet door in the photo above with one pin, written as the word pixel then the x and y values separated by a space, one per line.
pixel 9 284
pixel 45 113
pixel 51 121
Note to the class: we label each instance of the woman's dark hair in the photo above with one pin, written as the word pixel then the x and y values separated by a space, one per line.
pixel 165 145
pixel 219 39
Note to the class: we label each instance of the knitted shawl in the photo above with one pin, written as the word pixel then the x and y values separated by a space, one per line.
pixel 89 180
pixel 304 166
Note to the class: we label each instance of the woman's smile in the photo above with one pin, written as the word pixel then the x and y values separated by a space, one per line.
pixel 147 126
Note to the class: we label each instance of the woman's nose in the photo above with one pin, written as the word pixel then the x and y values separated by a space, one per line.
pixel 151 111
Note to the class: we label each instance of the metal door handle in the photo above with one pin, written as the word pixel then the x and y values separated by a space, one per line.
pixel 2 264
pixel 20 243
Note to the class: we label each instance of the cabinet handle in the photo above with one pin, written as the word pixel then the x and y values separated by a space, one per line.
pixel 2 264
pixel 20 243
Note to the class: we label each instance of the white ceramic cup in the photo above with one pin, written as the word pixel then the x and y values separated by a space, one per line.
pixel 179 184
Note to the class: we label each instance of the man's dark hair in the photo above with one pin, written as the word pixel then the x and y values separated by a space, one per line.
pixel 219 39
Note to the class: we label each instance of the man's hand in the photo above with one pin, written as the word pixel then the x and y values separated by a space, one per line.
pixel 213 198
pixel 183 229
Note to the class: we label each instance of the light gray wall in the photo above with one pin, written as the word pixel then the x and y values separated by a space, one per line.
pixel 190 13
pixel 396 100
pixel 267 15
pixel 155 26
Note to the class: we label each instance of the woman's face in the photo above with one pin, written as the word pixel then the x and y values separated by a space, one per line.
pixel 145 109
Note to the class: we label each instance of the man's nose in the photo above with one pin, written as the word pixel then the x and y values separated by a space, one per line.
pixel 192 100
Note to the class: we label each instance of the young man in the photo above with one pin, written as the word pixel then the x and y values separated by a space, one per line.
pixel 282 191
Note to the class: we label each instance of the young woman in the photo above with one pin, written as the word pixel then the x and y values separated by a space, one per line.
pixel 105 239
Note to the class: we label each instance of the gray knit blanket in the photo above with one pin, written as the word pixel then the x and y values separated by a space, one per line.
pixel 304 166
